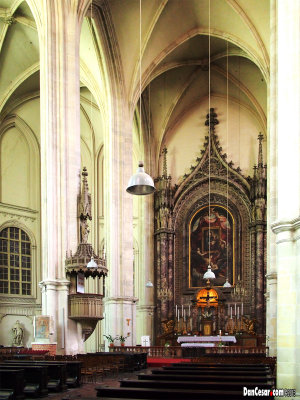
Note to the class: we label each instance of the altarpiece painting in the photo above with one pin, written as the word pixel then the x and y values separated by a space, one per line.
pixel 211 241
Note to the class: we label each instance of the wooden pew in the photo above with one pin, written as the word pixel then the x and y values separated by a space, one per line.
pixel 56 372
pixel 36 379
pixel 232 378
pixel 12 380
pixel 207 372
pixel 7 394
pixel 216 365
pixel 197 385
pixel 168 393
pixel 73 369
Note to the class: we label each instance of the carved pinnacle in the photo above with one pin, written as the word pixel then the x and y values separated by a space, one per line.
pixel 211 120
pixel 260 153
pixel 165 152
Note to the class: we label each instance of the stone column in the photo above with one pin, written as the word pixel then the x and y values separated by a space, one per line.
pixel 287 225
pixel 59 25
pixel 120 304
pixel 271 305
pixel 271 282
pixel 259 287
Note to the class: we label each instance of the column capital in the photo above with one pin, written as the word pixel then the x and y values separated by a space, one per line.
pixel 271 276
pixel 121 300
pixel 54 284
pixel 286 230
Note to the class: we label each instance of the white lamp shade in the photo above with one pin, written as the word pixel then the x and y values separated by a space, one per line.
pixel 92 264
pixel 140 183
pixel 209 274
pixel 226 284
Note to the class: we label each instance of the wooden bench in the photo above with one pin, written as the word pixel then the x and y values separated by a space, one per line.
pixel 207 372
pixel 219 365
pixel 35 379
pixel 12 381
pixel 198 385
pixel 246 378
pixel 168 393
pixel 73 369
pixel 56 372
pixel 6 394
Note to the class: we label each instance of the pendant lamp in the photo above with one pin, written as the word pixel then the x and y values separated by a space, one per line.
pixel 209 274
pixel 149 284
pixel 227 284
pixel 92 264
pixel 140 183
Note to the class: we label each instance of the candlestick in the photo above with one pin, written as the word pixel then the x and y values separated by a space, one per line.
pixel 176 309
pixel 228 310
pixel 238 312
pixel 231 312
pixel 242 311
pixel 234 308
pixel 189 310
pixel 182 309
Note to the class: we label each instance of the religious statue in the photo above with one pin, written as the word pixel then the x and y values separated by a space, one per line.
pixel 249 325
pixel 18 333
pixel 84 231
pixel 167 326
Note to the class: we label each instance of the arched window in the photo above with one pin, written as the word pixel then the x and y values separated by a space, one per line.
pixel 15 262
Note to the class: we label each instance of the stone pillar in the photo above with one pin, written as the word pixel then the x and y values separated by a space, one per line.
pixel 271 306
pixel 259 284
pixel 287 225
pixel 120 304
pixel 59 25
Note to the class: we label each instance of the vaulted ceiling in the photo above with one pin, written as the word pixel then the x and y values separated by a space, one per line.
pixel 189 49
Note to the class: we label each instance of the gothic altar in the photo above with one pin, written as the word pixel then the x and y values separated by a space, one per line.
pixel 215 216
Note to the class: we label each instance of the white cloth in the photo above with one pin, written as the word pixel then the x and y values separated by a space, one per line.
pixel 194 339
pixel 197 345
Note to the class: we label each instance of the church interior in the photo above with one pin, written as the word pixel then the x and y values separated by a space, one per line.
pixel 148 196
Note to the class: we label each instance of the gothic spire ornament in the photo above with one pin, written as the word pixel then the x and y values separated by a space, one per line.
pixel 85 208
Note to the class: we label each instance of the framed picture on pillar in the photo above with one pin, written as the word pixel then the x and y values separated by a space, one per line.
pixel 211 242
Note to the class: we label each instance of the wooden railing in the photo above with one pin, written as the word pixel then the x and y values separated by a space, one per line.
pixel 176 351
pixel 238 350
pixel 152 351
pixel 85 306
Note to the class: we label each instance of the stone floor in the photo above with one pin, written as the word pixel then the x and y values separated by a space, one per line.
pixel 88 389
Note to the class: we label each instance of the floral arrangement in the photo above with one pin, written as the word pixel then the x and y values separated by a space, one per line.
pixel 121 338
pixel 110 338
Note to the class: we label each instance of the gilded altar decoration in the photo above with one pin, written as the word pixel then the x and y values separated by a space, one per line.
pixel 211 242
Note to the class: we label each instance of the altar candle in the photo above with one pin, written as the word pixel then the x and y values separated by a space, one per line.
pixel 242 311
pixel 176 310
pixel 184 315
pixel 234 308
pixel 238 312
pixel 189 310
pixel 228 310
pixel 178 316
pixel 231 312
pixel 182 309
pixel 220 332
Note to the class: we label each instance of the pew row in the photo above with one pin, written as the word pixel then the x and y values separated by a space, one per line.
pixel 12 384
pixel 35 378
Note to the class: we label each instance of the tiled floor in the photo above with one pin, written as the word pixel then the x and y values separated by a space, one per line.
pixel 88 389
